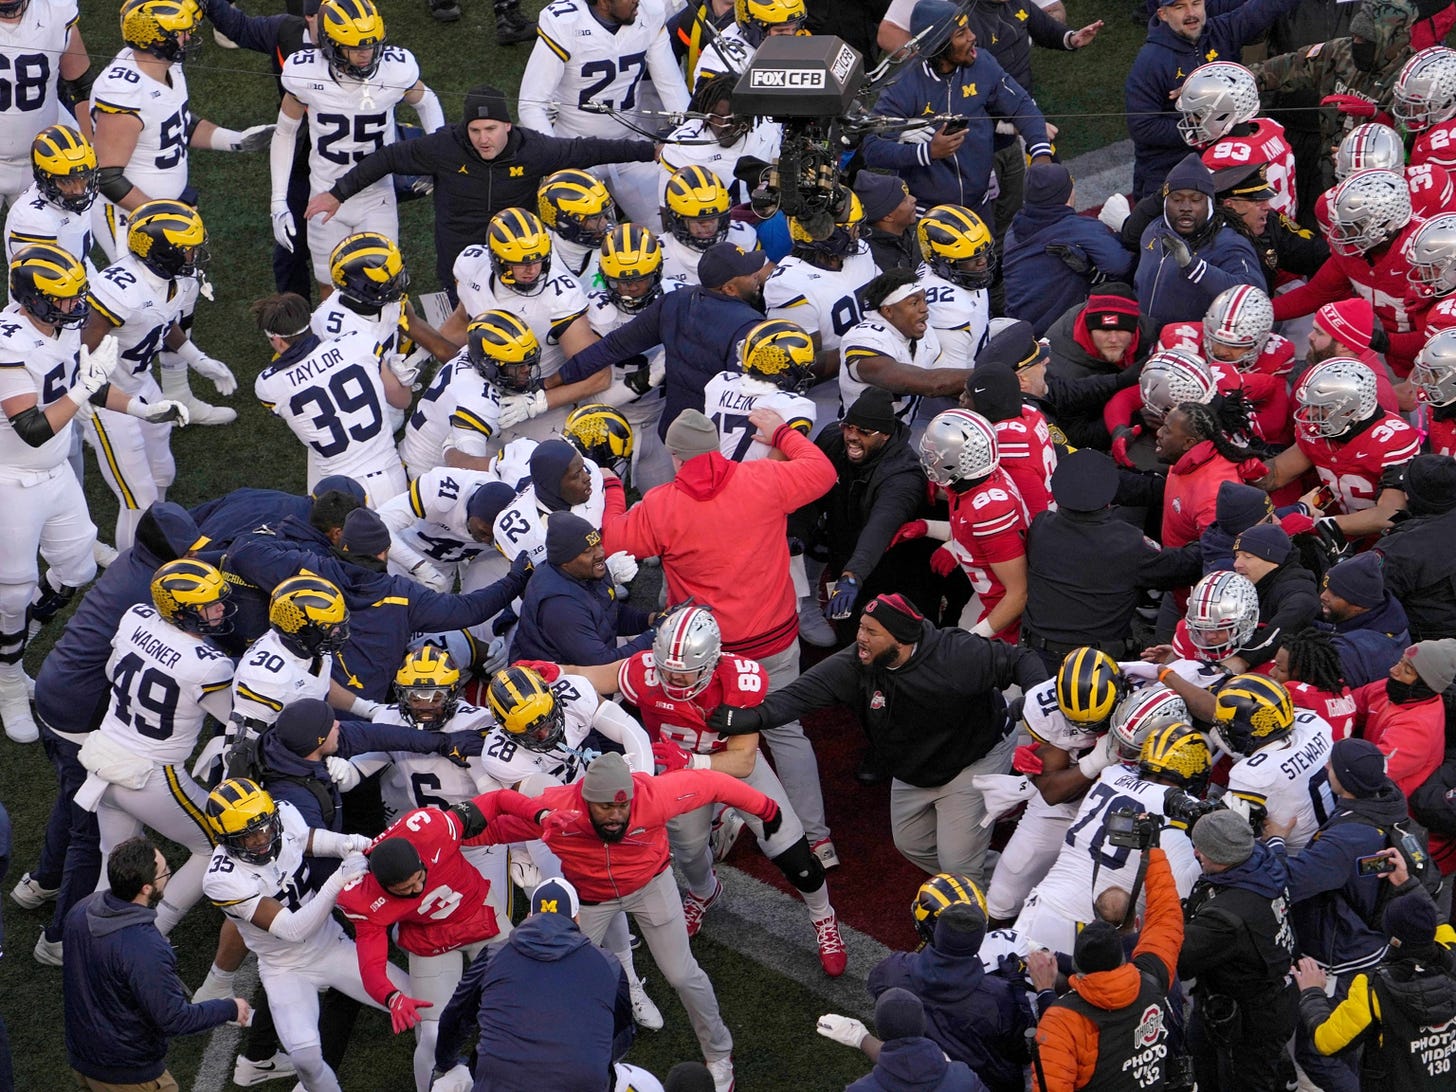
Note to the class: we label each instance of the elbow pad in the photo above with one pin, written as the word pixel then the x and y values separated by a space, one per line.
pixel 192 128
pixel 472 819
pixel 32 427
pixel 79 89
pixel 113 183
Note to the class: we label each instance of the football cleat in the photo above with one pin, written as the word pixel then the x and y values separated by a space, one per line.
pixel 694 908
pixel 645 1014
pixel 833 956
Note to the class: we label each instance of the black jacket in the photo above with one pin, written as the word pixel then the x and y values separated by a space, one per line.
pixel 894 251
pixel 1009 27
pixel 931 717
pixel 470 190
pixel 1070 375
pixel 1420 571
pixel 1237 940
pixel 1288 602
pixel 868 504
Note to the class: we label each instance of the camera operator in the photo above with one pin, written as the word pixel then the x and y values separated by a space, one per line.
pixel 1238 944
pixel 1405 1000
pixel 1335 903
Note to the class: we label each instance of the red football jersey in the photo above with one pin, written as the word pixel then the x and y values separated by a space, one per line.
pixel 1266 144
pixel 1352 469
pixel 1264 387
pixel 1436 145
pixel 987 525
pixel 450 913
pixel 1028 455
pixel 1441 316
pixel 1440 435
pixel 737 681
pixel 1338 710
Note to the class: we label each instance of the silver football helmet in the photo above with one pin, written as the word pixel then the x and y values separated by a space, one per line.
pixel 1216 97
pixel 1435 369
pixel 959 445
pixel 688 642
pixel 1367 209
pixel 1368 146
pixel 1432 257
pixel 1171 377
pixel 1425 90
pixel 1223 611
pixel 1334 396
pixel 1240 320
pixel 1141 713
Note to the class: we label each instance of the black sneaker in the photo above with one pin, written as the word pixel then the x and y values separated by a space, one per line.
pixel 445 11
pixel 512 27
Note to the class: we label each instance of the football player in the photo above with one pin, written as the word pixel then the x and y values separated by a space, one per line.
pixel 586 73
pixel 513 271
pixel 777 362
pixel 1219 103
pixel 1358 449
pixel 259 878
pixel 753 20
pixel 348 86
pixel 579 212
pixel 676 685
pixel 443 523
pixel 1434 375
pixel 56 207
pixel 333 394
pixel 601 434
pixel 1174 755
pixel 142 300
pixel 894 347
pixel 522 524
pixel 167 677
pixel 986 533
pixel 717 139
pixel 630 267
pixel 44 54
pixel 1424 103
pixel 959 265
pixel 1369 145
pixel 1280 755
pixel 1220 619
pixel 695 216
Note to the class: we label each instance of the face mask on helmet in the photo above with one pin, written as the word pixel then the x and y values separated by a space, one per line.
pixel 957 246
pixel 685 653
pixel 63 164
pixel 959 446
pixel 631 266
pixel 520 251
pixel 577 207
pixel 351 37
pixel 427 687
pixel 1141 713
pixel 1223 612
pixel 1251 711
pixel 504 351
pixel 696 208
pixel 938 892
pixel 1237 326
pixel 1176 755
pixel 244 819
pixel 1435 369
pixel 1333 397
pixel 51 285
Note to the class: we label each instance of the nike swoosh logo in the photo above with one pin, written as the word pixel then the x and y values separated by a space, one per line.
pixel 436 858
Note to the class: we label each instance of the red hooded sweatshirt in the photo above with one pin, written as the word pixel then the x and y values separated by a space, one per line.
pixel 1190 500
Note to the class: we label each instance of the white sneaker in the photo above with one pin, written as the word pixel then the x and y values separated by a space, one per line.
pixel 644 1012
pixel 48 951
pixel 174 386
pixel 103 554
pixel 722 1071
pixel 825 851
pixel 814 628
pixel 726 830
pixel 15 710
pixel 247 1072
pixel 31 895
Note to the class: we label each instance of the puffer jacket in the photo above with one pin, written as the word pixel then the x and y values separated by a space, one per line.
pixel 1222 258
pixel 1040 286
pixel 1411 735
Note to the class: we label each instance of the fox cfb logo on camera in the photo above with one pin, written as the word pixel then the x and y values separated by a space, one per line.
pixel 806 79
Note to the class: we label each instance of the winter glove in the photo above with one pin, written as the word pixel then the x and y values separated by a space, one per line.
pixel 1122 438
pixel 841 599
pixel 1025 760
pixel 842 1029
pixel 669 757
pixel 253 139
pixel 159 413
pixel 218 373
pixel 983 629
pixel 731 720
pixel 1192 265
pixel 425 573
pixel 1352 106
pixel 916 528
pixel 773 822
pixel 497 657
pixel 519 408
pixel 342 772
pixel 1071 256
pixel 943 562
pixel 506 618
pixel 622 567
pixel 284 228
pixel 522 566
pixel 1115 210
pixel 1002 793
pixel 365 709
pixel 456 747
pixel 548 671
pixel 1097 759
pixel 95 370
pixel 404 1011
pixel 355 864
pixel 458 1079
pixel 922 134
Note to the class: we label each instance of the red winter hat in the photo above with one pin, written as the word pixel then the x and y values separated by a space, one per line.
pixel 1109 311
pixel 1351 322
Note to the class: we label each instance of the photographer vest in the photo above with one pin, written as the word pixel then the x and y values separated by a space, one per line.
pixel 1406 1053
pixel 1132 1042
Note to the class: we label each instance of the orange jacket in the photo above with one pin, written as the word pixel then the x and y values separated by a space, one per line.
pixel 1066 1039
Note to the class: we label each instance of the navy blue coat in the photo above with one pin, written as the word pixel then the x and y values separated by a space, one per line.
pixel 571 621
pixel 916 1065
pixel 1162 64
pixel 72 690
pixel 235 514
pixel 699 330
pixel 122 994
pixel 549 1003
pixel 1370 643
pixel 1040 287
pixel 1166 293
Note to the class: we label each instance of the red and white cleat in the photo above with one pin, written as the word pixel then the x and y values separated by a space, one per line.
pixel 833 956
pixel 694 908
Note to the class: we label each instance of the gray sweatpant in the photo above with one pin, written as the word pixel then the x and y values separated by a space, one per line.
pixel 792 752
pixel 940 829
pixel 657 907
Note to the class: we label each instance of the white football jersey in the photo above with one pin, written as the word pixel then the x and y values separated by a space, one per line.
pixel 1045 721
pixel 549 312
pixel 269 677
pixel 578 60
pixel 432 781
pixel 512 463
pixel 824 302
pixel 30 50
pixel 32 362
pixel 1289 779
pixel 581 261
pixel 731 396
pixel 237 887
pixel 522 523
pixel 348 118
pixel 33 219
pixel 960 317
pixel 727 54
pixel 438 502
pixel 459 409
pixel 333 317
pixel 158 163
pixel 875 338
pixel 143 307
pixel 333 399
pixel 1069 887
pixel 760 142
pixel 508 762
pixel 604 317
pixel 680 261
pixel 1003 946
pixel 163 683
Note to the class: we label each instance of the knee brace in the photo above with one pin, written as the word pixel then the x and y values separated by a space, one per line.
pixel 49 600
pixel 12 647
pixel 800 867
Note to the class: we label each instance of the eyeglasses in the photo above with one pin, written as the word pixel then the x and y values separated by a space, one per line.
pixel 165 874
pixel 857 431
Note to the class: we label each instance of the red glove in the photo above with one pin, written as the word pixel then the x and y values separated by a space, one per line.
pixel 1296 523
pixel 1252 470
pixel 545 668
pixel 916 528
pixel 1350 105
pixel 1026 760
pixel 943 562
pixel 669 757
pixel 1121 438
pixel 404 1011
pixel 555 822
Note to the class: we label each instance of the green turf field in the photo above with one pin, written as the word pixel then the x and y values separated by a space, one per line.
pixel 770 1014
